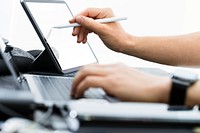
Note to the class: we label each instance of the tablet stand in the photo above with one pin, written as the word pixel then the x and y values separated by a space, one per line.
pixel 44 64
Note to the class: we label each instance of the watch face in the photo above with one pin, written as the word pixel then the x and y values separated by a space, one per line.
pixel 185 75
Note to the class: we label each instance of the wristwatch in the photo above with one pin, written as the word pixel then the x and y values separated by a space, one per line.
pixel 181 81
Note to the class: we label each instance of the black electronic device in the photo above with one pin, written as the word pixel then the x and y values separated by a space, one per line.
pixel 22 59
pixel 181 81
pixel 62 54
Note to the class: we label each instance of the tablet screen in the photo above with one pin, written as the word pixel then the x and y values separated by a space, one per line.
pixel 67 51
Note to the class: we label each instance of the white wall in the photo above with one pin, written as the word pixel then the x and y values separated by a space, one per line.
pixel 6 9
pixel 145 17
pixel 191 21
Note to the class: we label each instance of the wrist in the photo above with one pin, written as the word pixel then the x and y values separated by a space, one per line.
pixel 165 89
pixel 182 89
pixel 192 95
pixel 129 45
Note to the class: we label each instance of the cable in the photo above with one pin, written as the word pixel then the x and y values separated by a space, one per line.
pixel 72 122
pixel 46 115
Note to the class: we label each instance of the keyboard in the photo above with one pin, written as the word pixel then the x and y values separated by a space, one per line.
pixel 56 88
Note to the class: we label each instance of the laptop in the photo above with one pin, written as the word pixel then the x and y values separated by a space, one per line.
pixel 44 88
pixel 84 109
pixel 62 54
pixel 96 106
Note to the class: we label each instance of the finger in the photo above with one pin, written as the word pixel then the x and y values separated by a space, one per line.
pixel 94 13
pixel 90 24
pixel 89 12
pixel 94 69
pixel 73 20
pixel 85 36
pixel 83 72
pixel 81 34
pixel 90 81
pixel 85 40
pixel 76 31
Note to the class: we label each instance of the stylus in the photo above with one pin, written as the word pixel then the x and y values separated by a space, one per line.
pixel 104 20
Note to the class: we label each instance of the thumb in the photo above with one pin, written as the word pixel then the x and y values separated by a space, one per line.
pixel 89 23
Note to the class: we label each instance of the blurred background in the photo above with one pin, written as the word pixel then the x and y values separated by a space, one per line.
pixel 145 18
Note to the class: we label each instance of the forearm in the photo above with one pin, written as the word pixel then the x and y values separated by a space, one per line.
pixel 182 50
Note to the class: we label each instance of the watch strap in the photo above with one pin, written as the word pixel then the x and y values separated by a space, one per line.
pixel 178 92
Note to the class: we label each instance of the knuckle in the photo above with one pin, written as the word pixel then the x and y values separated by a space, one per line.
pixel 88 80
pixel 85 69
pixel 109 10
pixel 109 79
pixel 87 9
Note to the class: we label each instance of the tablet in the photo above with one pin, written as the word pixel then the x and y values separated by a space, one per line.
pixel 60 46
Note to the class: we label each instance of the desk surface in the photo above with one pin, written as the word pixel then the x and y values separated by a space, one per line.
pixel 106 127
